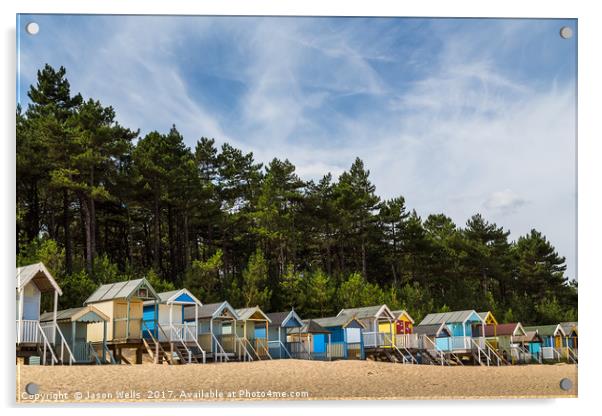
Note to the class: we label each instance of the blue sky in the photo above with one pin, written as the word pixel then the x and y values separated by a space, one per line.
pixel 457 115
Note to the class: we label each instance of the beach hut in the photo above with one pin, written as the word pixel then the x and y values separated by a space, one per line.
pixel 404 324
pixel 34 339
pixel 278 341
pixel 122 303
pixel 552 337
pixel 530 345
pixel 378 322
pixel 252 329
pixel 215 332
pixel 432 342
pixel 462 325
pixel 505 339
pixel 165 323
pixel 489 319
pixel 73 323
pixel 404 335
pixel 311 341
pixel 346 336
pixel 466 342
pixel 571 331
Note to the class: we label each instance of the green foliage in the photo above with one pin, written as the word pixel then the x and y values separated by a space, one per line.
pixel 319 295
pixel 254 282
pixel 292 289
pixel 157 283
pixel 202 278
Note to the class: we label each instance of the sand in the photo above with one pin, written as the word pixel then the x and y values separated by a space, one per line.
pixel 290 380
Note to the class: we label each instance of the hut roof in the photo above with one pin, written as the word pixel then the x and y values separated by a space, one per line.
pixel 399 313
pixel 170 296
pixel 247 313
pixel 368 312
pixel 310 326
pixel 339 320
pixel 432 330
pixel 209 310
pixel 569 327
pixel 281 318
pixel 530 336
pixel 546 330
pixel 39 274
pixel 121 290
pixel 445 317
pixel 511 329
pixel 487 316
pixel 88 313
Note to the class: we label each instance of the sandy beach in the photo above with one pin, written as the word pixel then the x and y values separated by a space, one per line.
pixel 290 380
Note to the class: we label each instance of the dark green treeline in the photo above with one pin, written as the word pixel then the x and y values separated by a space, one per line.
pixel 97 204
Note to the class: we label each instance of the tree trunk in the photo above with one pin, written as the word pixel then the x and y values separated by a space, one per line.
pixel 157 236
pixel 87 222
pixel 171 238
pixel 67 234
pixel 186 242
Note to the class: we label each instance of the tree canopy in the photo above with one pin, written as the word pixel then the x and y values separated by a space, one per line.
pixel 98 203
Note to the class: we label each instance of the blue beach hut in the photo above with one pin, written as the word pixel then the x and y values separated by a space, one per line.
pixel 164 322
pixel 346 336
pixel 278 341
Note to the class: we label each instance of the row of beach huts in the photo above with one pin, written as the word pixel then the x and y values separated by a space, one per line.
pixel 121 322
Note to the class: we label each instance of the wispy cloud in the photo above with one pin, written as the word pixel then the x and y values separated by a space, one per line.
pixel 459 116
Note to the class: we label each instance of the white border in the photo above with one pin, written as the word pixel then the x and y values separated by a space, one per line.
pixel 589 210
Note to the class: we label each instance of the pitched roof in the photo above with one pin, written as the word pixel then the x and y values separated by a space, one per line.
pixel 568 327
pixel 73 314
pixel 447 317
pixel 278 317
pixel 246 313
pixel 209 310
pixel 398 314
pixel 432 330
pixel 531 336
pixel 339 320
pixel 164 297
pixel 39 274
pixel 120 290
pixel 310 326
pixel 281 318
pixel 511 329
pixel 367 312
pixel 546 330
pixel 485 315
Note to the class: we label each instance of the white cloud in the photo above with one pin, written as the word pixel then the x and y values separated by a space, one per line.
pixel 505 202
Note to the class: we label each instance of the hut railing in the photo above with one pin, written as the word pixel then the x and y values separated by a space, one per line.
pixel 191 338
pixel 182 331
pixel 460 343
pixel 409 341
pixel 277 347
pixel 61 344
pixel 427 344
pixel 262 345
pixel 27 331
pixel 336 350
pixel 571 354
pixel 373 339
pixel 401 351
pixel 218 351
pixel 550 353
pixel 247 348
pixel 493 354
pixel 46 347
pixel 298 350
pixel 479 353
